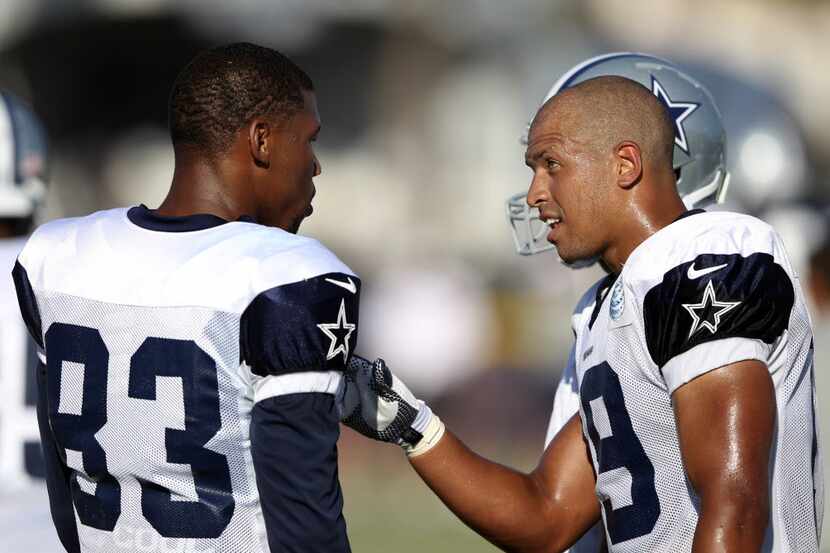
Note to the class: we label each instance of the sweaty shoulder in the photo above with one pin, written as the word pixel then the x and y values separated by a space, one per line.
pixel 710 277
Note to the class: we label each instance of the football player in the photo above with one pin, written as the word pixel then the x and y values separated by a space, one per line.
pixel 696 428
pixel 22 187
pixel 23 169
pixel 699 161
pixel 191 353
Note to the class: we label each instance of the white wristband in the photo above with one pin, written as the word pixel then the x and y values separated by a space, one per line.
pixel 432 433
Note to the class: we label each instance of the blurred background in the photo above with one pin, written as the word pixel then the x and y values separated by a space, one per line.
pixel 424 105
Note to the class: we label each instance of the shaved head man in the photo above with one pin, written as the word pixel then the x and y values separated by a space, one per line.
pixel 603 145
pixel 694 357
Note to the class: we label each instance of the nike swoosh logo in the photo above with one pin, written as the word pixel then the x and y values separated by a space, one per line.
pixel 697 273
pixel 350 285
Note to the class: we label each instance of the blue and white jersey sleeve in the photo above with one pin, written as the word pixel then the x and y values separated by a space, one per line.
pixel 724 296
pixel 298 337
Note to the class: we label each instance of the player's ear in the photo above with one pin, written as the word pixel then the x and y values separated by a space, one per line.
pixel 260 142
pixel 629 164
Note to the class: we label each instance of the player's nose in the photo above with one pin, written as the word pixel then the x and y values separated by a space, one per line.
pixel 537 194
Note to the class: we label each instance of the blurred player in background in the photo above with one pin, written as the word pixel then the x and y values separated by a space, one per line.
pixel 23 504
pixel 696 424
pixel 192 352
pixel 699 161
pixel 22 188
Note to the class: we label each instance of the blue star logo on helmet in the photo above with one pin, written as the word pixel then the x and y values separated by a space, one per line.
pixel 678 111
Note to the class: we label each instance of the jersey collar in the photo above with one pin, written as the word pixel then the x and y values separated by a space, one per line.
pixel 640 246
pixel 146 218
pixel 689 213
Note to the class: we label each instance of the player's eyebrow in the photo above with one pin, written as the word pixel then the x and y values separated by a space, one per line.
pixel 530 158
pixel 535 150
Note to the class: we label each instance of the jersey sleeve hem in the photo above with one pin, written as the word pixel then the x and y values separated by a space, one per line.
pixel 709 356
pixel 324 382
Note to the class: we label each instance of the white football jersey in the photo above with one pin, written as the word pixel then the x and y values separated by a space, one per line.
pixel 165 340
pixel 566 403
pixel 708 290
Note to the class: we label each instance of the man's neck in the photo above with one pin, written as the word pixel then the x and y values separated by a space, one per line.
pixel 202 187
pixel 644 221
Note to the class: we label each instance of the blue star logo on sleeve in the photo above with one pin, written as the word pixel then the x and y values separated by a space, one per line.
pixel 678 111
pixel 339 333
pixel 708 313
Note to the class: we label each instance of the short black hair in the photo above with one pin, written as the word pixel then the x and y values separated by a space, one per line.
pixel 222 89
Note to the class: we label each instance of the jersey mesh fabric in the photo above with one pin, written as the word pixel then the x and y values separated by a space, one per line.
pixel 133 437
pixel 793 478
pixel 652 418
pixel 566 405
pixel 166 292
pixel 618 342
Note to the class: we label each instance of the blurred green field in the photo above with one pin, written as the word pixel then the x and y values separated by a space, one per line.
pixel 389 509
pixel 405 520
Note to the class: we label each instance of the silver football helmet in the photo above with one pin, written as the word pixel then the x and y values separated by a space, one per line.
pixel 22 159
pixel 699 142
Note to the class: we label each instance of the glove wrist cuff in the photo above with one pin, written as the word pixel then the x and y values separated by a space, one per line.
pixel 432 430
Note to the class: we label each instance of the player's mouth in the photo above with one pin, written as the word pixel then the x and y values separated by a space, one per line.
pixel 554 223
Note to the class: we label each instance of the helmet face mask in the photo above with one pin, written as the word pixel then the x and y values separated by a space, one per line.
pixel 699 156
pixel 529 231
pixel 22 160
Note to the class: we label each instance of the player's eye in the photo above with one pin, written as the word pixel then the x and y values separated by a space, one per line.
pixel 551 164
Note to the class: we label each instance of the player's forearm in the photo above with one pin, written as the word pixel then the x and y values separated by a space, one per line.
pixel 731 524
pixel 503 505
pixel 538 513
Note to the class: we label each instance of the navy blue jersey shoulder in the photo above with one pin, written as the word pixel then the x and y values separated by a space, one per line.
pixel 717 296
pixel 294 450
pixel 307 325
pixel 26 301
